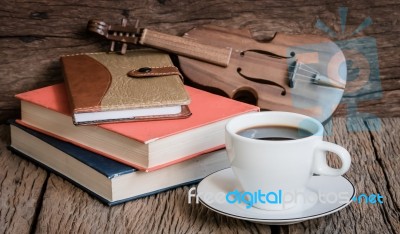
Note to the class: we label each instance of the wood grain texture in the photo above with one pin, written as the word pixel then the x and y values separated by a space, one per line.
pixel 34 34
pixel 21 187
pixel 75 211
pixel 373 146
pixel 372 171
pixel 387 154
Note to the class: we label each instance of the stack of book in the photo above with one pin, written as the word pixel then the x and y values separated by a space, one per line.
pixel 122 136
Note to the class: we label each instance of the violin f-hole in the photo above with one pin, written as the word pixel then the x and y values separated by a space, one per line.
pixel 269 54
pixel 261 81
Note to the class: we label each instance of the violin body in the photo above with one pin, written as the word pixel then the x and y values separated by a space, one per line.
pixel 321 54
pixel 297 73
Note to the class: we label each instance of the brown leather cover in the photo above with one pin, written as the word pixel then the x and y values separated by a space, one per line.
pixel 144 72
pixel 87 95
pixel 100 82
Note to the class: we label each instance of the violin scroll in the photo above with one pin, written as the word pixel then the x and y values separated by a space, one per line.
pixel 116 33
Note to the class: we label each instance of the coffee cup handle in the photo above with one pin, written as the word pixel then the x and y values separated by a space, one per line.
pixel 321 167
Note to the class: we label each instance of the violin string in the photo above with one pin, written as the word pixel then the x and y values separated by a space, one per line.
pixel 301 75
pixel 312 69
pixel 297 73
pixel 312 72
pixel 300 67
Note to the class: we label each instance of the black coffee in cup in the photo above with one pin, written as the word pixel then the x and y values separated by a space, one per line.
pixel 274 133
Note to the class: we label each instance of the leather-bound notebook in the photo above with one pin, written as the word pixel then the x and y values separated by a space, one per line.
pixel 109 87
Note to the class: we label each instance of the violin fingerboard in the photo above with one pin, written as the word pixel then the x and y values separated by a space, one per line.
pixel 186 47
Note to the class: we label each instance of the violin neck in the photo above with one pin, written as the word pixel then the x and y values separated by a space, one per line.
pixel 186 47
pixel 174 44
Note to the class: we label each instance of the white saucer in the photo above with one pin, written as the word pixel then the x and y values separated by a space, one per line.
pixel 213 189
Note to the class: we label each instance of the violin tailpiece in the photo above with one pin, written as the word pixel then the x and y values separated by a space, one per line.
pixel 298 70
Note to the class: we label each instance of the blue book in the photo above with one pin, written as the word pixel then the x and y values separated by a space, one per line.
pixel 109 181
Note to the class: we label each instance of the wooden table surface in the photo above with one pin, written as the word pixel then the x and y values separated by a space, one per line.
pixel 33 35
pixel 33 200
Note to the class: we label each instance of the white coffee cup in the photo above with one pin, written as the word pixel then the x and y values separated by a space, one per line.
pixel 286 165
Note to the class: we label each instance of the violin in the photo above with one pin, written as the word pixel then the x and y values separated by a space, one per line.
pixel 297 73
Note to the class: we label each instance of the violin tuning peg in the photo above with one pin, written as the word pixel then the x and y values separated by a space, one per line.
pixel 124 46
pixel 118 34
pixel 112 45
pixel 124 21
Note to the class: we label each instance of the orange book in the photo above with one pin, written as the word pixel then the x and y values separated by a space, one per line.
pixel 143 145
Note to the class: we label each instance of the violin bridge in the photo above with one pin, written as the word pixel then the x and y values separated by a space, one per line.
pixel 293 68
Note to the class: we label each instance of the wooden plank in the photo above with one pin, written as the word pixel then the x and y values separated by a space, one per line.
pixel 34 34
pixel 386 143
pixel 21 188
pixel 75 211
pixel 373 170
pixel 386 106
